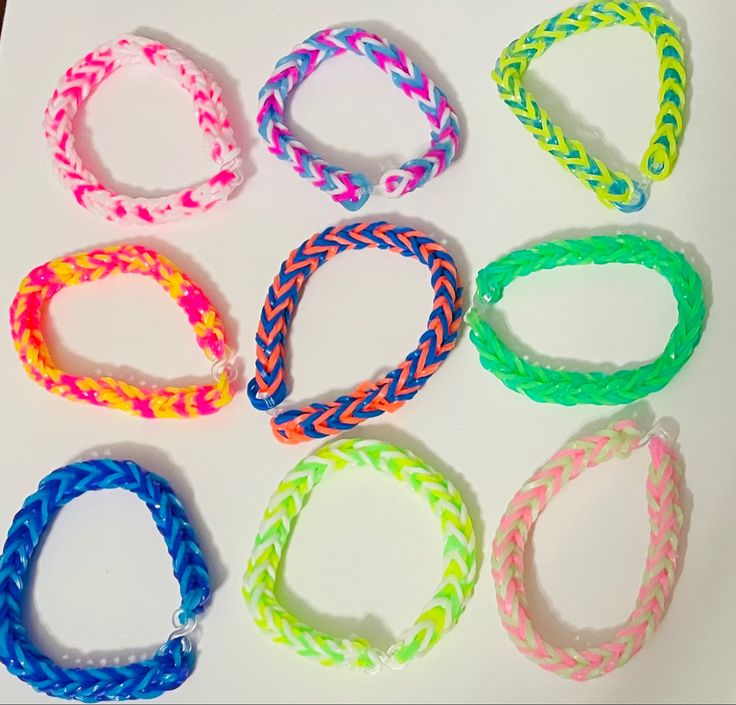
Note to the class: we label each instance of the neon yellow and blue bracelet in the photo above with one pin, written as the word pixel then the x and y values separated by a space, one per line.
pixel 613 188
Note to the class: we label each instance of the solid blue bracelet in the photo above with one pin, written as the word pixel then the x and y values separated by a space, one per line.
pixel 173 662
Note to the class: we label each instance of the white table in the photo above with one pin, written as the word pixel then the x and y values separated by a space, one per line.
pixel 366 555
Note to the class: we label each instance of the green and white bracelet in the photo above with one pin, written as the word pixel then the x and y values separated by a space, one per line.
pixel 439 615
pixel 570 387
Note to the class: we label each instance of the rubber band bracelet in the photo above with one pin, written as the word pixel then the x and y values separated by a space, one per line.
pixel 352 189
pixel 44 282
pixel 174 661
pixel 268 388
pixel 438 616
pixel 81 79
pixel 613 188
pixel 508 558
pixel 569 387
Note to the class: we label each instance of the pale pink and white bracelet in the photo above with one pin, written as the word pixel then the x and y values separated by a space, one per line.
pixel 81 79
pixel 664 503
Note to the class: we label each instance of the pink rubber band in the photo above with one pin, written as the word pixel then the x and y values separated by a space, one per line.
pixel 76 85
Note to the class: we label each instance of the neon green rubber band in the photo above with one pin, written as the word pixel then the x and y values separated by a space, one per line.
pixel 438 616
pixel 545 384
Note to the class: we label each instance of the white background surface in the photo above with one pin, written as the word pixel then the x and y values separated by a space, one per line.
pixel 366 554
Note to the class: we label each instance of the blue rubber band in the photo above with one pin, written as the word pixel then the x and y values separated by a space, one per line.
pixel 173 662
pixel 638 202
pixel 263 403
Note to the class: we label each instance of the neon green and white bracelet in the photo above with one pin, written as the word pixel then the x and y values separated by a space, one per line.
pixel 439 615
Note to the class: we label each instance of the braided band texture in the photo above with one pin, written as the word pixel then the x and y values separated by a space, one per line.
pixel 665 519
pixel 613 188
pixel 173 662
pixel 44 282
pixel 81 79
pixel 545 384
pixel 352 189
pixel 268 388
pixel 439 615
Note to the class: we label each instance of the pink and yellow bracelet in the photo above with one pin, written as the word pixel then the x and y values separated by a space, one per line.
pixel 44 282
pixel 74 88
pixel 665 518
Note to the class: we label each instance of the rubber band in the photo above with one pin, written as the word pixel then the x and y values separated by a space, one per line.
pixel 80 80
pixel 508 558
pixel 613 188
pixel 44 282
pixel 352 189
pixel 174 661
pixel 441 613
pixel 268 388
pixel 568 387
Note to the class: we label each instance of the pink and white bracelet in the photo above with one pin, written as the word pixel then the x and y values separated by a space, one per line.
pixel 665 518
pixel 76 85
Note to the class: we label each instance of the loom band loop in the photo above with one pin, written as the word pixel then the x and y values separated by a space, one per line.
pixel 379 403
pixel 666 137
pixel 286 426
pixel 672 98
pixel 392 656
pixel 76 85
pixel 394 183
pixel 230 174
pixel 266 402
pixel 377 668
pixel 673 82
pixel 193 604
pixel 671 127
pixel 232 171
pixel 356 197
pixel 360 655
pixel 657 164
pixel 673 56
pixel 637 199
pixel 176 655
pixel 407 178
pixel 386 659
pixel 290 426
pixel 173 662
pixel 229 158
